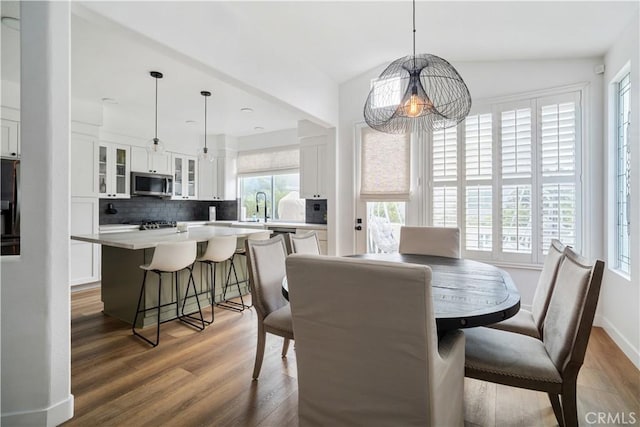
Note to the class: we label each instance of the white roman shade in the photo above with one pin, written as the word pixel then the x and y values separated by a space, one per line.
pixel 385 166
pixel 268 161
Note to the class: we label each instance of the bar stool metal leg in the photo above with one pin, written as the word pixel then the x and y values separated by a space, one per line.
pixel 183 317
pixel 138 311
pixel 232 305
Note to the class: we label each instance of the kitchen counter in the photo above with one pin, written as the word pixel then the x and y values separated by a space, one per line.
pixel 272 224
pixel 143 239
pixel 123 252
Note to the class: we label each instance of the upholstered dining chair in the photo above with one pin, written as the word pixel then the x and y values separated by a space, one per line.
pixel 306 243
pixel 266 265
pixel 531 322
pixel 552 364
pixel 241 251
pixel 438 241
pixel 364 358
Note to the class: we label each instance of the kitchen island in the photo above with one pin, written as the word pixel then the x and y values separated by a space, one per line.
pixel 124 252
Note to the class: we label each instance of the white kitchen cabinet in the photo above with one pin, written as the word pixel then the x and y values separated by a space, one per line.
pixel 10 138
pixel 185 177
pixel 84 177
pixel 313 162
pixel 113 170
pixel 84 258
pixel 143 161
pixel 216 180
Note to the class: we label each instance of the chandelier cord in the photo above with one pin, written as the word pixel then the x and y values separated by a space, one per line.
pixel 414 33
pixel 205 122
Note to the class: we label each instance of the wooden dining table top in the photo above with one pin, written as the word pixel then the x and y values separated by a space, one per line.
pixel 465 293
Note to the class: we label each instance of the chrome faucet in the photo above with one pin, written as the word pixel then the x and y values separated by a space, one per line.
pixel 265 204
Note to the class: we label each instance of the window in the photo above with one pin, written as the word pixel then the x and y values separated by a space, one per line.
pixel 274 172
pixel 509 177
pixel 384 220
pixel 282 197
pixel 623 174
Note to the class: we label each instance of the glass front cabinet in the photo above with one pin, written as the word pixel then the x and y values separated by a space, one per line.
pixel 185 171
pixel 113 171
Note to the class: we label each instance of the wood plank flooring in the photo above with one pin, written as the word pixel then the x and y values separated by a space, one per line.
pixel 204 378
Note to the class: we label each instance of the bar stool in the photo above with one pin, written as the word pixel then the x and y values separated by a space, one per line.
pixel 170 258
pixel 221 249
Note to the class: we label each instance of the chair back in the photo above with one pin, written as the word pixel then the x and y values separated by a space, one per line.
pixel 260 235
pixel 366 341
pixel 220 248
pixel 546 282
pixel 437 241
pixel 304 243
pixel 569 319
pixel 266 265
pixel 171 257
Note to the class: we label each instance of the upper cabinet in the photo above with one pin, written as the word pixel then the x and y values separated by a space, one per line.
pixel 10 138
pixel 313 161
pixel 84 181
pixel 215 180
pixel 185 172
pixel 113 170
pixel 143 161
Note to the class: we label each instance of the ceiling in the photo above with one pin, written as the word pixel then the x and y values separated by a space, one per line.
pixel 340 39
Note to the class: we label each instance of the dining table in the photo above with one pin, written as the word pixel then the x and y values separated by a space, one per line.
pixel 465 293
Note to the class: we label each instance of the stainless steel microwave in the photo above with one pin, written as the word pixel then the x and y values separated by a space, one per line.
pixel 151 184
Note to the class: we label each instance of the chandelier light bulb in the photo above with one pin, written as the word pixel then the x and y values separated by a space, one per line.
pixel 414 107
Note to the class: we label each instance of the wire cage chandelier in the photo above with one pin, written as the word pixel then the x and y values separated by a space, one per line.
pixel 417 93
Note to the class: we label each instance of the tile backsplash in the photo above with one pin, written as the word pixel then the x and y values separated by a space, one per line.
pixel 316 211
pixel 139 209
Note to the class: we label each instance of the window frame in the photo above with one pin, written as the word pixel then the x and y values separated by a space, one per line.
pixel 272 174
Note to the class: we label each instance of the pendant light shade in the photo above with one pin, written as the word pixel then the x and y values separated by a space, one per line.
pixel 203 153
pixel 155 145
pixel 417 93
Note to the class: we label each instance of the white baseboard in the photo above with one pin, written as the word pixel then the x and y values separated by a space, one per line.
pixel 85 286
pixel 49 417
pixel 621 341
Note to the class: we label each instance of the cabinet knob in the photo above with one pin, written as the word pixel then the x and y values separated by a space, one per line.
pixel 14 154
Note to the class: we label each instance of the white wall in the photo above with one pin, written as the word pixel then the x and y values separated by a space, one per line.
pixel 619 309
pixel 489 80
pixel 36 356
pixel 268 139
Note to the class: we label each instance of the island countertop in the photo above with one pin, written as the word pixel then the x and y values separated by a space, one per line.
pixel 143 239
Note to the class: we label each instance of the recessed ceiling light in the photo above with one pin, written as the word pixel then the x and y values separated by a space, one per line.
pixel 109 101
pixel 246 110
pixel 190 122
pixel 11 22
pixel 258 128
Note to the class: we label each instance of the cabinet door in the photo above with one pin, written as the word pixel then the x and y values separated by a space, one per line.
pixel 191 178
pixel 84 177
pixel 103 175
pixel 84 259
pixel 308 171
pixel 121 171
pixel 140 159
pixel 10 138
pixel 321 174
pixel 207 180
pixel 178 180
pixel 160 163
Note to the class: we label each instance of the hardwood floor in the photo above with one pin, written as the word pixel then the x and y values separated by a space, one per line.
pixel 204 378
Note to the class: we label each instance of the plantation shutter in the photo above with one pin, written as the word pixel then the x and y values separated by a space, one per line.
pixel 385 166
pixel 445 177
pixel 557 134
pixel 479 189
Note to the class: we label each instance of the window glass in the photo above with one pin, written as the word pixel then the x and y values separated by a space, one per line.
pixel 282 196
pixel 384 220
pixel 623 174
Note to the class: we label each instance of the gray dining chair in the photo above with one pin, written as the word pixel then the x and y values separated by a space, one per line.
pixel 367 359
pixel 437 241
pixel 266 265
pixel 531 322
pixel 552 364
pixel 306 243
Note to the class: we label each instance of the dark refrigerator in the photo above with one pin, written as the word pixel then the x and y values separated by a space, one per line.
pixel 10 207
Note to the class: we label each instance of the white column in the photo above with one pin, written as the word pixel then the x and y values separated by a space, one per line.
pixel 35 308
